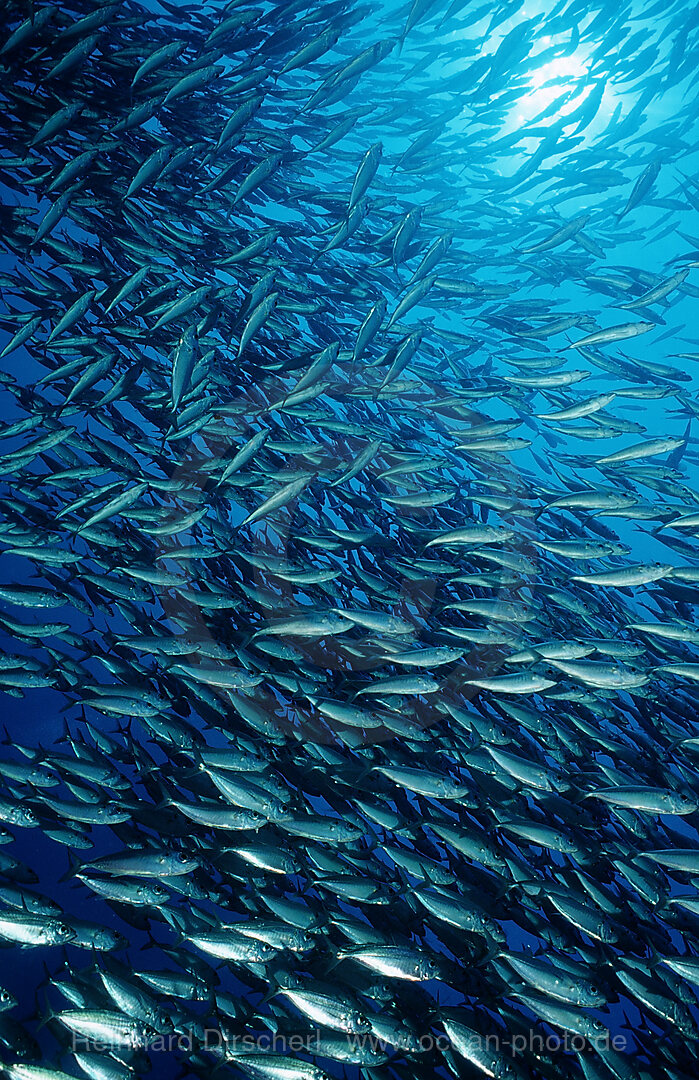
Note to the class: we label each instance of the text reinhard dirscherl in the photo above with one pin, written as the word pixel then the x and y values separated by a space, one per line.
pixel 365 1044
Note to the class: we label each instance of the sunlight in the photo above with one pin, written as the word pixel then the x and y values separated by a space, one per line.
pixel 563 67
pixel 561 79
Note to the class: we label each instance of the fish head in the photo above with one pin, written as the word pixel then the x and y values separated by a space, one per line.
pixel 427 967
pixel 191 862
pixel 358 1022
pixel 380 991
pixel 154 892
pixel 145 1035
pixel 61 932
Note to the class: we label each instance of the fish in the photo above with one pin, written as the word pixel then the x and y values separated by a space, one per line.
pixel 612 334
pixel 346 682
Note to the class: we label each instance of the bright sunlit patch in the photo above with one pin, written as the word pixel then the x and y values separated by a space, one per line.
pixel 563 79
pixel 551 90
pixel 561 69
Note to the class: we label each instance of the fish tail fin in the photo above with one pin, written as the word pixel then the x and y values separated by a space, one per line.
pixel 153 943
pixel 492 954
pixel 337 959
pixel 125 728
pixel 176 922
pixel 655 959
pixel 66 734
pixel 44 1011
pixel 73 865
pixel 271 994
pixel 362 775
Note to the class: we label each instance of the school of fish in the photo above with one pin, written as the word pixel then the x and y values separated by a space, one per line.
pixel 351 690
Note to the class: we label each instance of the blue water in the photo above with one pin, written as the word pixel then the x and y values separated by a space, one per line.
pixel 551 151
